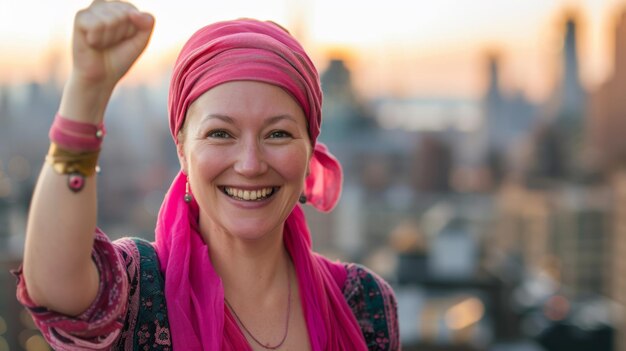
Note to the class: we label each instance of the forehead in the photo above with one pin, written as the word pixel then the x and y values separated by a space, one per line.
pixel 246 101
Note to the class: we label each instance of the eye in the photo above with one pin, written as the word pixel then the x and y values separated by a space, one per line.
pixel 219 134
pixel 279 134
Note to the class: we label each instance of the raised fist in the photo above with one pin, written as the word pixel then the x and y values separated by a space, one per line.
pixel 108 38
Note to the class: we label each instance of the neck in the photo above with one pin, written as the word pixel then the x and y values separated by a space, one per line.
pixel 248 266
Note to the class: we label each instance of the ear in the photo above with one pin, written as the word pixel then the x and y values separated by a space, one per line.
pixel 180 152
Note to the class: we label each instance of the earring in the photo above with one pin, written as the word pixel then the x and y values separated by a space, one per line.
pixel 187 197
pixel 302 199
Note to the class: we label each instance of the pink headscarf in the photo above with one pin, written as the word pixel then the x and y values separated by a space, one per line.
pixel 259 51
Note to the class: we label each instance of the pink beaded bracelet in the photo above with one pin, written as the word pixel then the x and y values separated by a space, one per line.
pixel 76 135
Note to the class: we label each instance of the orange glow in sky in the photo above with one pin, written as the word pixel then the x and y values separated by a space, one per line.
pixel 393 47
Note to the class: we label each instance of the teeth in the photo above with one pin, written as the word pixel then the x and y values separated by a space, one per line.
pixel 249 195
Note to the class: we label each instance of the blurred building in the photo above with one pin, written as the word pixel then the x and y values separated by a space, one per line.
pixel 617 270
pixel 560 228
pixel 432 164
pixel 377 165
pixel 440 268
pixel 581 240
pixel 570 94
pixel 571 100
pixel 607 110
pixel 345 114
pixel 521 230
pixel 562 232
pixel 606 153
pixel 556 242
pixel 558 136
pixel 508 120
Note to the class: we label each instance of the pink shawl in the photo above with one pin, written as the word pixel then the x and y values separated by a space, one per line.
pixel 259 51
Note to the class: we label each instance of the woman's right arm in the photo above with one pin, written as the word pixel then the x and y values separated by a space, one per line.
pixel 58 269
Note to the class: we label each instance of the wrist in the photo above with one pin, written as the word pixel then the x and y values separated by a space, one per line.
pixel 84 100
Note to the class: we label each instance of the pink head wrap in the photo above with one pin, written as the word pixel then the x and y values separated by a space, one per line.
pixel 258 51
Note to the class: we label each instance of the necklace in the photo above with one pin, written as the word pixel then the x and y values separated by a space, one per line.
pixel 280 343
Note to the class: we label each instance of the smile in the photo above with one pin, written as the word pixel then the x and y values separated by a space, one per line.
pixel 249 195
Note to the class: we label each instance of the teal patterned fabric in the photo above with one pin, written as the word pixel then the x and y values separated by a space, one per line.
pixel 371 300
pixel 152 330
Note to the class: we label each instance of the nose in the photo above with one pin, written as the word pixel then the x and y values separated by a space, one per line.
pixel 250 161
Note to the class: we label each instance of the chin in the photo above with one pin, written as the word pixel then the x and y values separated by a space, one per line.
pixel 251 231
pixel 244 224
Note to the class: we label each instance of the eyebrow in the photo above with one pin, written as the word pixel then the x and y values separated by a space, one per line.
pixel 224 118
pixel 278 118
pixel 230 120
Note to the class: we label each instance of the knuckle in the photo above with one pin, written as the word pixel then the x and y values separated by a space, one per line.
pixel 110 22
pixel 125 5
pixel 97 26
pixel 82 17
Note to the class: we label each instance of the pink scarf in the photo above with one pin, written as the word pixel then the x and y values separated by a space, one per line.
pixel 199 320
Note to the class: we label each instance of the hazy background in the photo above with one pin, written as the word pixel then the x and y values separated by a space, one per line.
pixel 482 143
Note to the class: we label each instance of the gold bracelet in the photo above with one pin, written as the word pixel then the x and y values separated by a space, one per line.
pixel 64 161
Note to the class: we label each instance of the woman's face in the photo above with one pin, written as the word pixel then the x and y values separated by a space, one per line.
pixel 246 151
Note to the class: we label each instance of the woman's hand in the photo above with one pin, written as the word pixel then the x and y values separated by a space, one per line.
pixel 108 39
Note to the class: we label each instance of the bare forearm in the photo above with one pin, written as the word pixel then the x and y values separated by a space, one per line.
pixel 58 269
pixel 57 260
pixel 85 101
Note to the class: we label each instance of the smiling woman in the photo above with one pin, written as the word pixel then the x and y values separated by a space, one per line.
pixel 231 266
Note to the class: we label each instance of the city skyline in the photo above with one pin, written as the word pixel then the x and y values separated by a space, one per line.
pixel 500 212
pixel 436 49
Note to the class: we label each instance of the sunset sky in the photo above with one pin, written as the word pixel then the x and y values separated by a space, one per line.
pixel 400 47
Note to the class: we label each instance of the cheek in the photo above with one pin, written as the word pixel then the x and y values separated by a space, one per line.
pixel 204 164
pixel 292 163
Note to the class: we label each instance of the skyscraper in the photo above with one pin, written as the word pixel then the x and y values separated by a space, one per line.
pixel 571 93
pixel 508 120
pixel 558 138
pixel 571 104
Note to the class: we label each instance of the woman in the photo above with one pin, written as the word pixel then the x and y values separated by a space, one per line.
pixel 231 267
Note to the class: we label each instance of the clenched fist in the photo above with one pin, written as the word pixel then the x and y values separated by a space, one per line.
pixel 108 38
